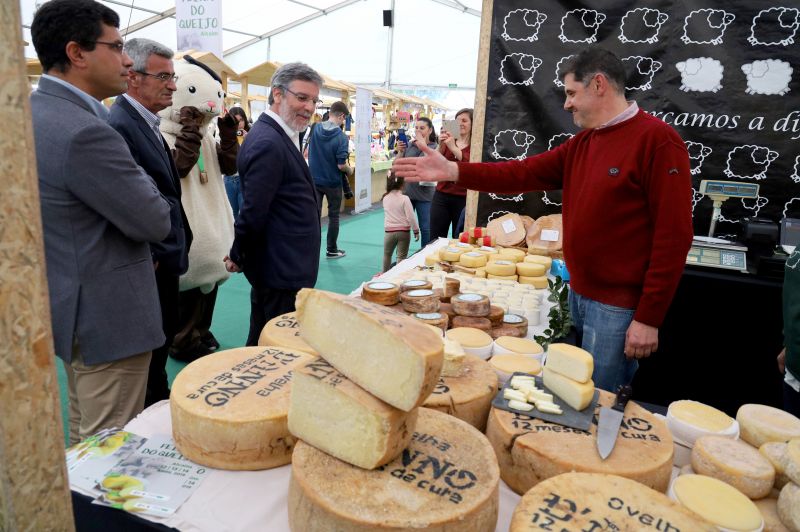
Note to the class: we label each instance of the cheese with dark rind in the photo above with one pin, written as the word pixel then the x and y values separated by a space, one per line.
pixel 420 301
pixel 381 292
pixel 591 501
pixel 415 284
pixel 284 331
pixel 446 480
pixel 474 322
pixel 520 322
pixel 229 409
pixel 506 330
pixel 530 450
pixel 437 319
pixel 471 305
pixel 496 315
pixel 467 396
pixel 396 358
pixel 330 412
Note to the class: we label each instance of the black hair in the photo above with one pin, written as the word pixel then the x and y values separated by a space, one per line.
pixel 59 22
pixel 393 182
pixel 595 60
pixel 237 112
pixel 433 137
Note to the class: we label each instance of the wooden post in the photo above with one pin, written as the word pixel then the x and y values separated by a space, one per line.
pixel 479 112
pixel 34 492
pixel 246 98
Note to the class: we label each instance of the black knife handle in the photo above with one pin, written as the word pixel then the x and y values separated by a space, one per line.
pixel 623 396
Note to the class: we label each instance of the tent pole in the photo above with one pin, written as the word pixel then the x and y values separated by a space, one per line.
pixel 389 47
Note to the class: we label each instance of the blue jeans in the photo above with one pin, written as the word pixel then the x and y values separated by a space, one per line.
pixel 234 190
pixel 601 332
pixel 423 210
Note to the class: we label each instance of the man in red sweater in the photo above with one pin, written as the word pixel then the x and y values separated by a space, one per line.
pixel 626 210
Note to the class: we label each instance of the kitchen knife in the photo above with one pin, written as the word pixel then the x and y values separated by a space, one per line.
pixel 610 420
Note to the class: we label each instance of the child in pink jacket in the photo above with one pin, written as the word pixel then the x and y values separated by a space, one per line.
pixel 398 220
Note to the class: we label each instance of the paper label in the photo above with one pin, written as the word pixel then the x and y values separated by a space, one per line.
pixel 381 286
pixel 550 235
pixel 509 227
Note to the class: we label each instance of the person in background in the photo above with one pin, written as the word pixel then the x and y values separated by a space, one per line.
pixel 398 220
pixel 789 358
pixel 421 194
pixel 450 198
pixel 232 185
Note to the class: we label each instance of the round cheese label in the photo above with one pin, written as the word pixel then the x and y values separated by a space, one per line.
pixel 428 315
pixel 470 297
pixel 512 318
pixel 419 293
pixel 503 262
pixel 381 286
pixel 473 254
pixel 488 249
pixel 415 282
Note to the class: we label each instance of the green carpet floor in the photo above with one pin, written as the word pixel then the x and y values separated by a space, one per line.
pixel 360 235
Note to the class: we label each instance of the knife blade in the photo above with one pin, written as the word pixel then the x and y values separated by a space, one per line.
pixel 610 421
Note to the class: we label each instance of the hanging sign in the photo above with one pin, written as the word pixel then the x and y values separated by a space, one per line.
pixel 199 25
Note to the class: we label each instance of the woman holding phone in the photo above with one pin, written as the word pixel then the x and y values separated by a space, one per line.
pixel 420 194
pixel 450 199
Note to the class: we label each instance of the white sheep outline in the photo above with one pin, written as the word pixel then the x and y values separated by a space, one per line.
pixel 661 19
pixel 648 84
pixel 599 17
pixel 761 175
pixel 796 175
pixel 547 201
pixel 550 142
pixel 754 73
pixel 727 18
pixel 557 81
pixel 787 204
pixel 497 214
pixel 690 67
pixel 794 258
pixel 759 204
pixel 529 139
pixel 789 40
pixel 505 197
pixel 535 64
pixel 536 27
pixel 696 197
pixel 705 151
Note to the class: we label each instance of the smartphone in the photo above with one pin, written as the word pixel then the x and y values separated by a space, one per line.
pixel 451 126
pixel 401 136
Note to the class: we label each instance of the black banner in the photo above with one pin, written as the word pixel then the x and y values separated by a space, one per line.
pixel 724 75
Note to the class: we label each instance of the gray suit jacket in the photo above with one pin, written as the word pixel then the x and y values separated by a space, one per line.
pixel 99 211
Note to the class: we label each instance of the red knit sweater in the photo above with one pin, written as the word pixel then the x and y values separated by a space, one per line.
pixel 626 209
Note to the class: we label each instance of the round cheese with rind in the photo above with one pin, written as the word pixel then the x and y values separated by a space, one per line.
pixel 471 305
pixel 284 331
pixel 473 322
pixel 446 480
pixel 789 506
pixel 769 512
pixel 381 292
pixel 473 259
pixel 530 269
pixel 759 424
pixel 775 452
pixel 229 409
pixel 467 396
pixel 530 450
pixel 791 460
pixel 688 420
pixel 591 501
pixel 501 267
pixel 419 301
pixel 733 462
pixel 717 502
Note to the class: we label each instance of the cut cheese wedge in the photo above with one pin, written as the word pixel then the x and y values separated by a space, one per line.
pixel 396 358
pixel 759 424
pixel 284 331
pixel 333 414
pixel 576 394
pixel 454 356
pixel 570 361
pixel 468 395
pixel 717 502
pixel 733 462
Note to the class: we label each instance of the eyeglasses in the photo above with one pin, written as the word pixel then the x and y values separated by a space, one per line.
pixel 304 98
pixel 164 77
pixel 117 46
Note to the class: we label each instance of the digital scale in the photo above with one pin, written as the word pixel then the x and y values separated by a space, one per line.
pixel 715 252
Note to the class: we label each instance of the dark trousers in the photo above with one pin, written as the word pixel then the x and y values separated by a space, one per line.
pixel 334 196
pixel 157 384
pixel 791 400
pixel 194 321
pixel 265 304
pixel 445 211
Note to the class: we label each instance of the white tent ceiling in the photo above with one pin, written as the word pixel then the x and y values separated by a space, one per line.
pixel 434 42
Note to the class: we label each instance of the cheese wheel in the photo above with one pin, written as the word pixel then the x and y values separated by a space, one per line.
pixel 789 506
pixel 536 282
pixel 416 284
pixel 467 396
pixel 570 361
pixel 454 357
pixel 381 293
pixel 791 460
pixel 419 301
pixel 530 450
pixel 520 346
pixel 734 462
pixel 432 260
pixel 501 267
pixel 333 414
pixel 530 269
pixel 284 331
pixel 451 287
pixel 471 305
pixel 447 479
pixel 688 420
pixel 768 507
pixel 718 503
pixel 437 319
pixel 451 253
pixel 775 452
pixel 588 501
pixel 473 259
pixel 505 330
pixel 402 371
pixel 502 277
pixel 759 424
pixel 473 322
pixel 468 337
pixel 480 272
pixel 229 408
pixel 447 308
pixel 506 365
pixel 540 259
pixel 496 315
pixel 515 320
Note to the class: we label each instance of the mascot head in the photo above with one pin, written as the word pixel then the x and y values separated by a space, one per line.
pixel 198 86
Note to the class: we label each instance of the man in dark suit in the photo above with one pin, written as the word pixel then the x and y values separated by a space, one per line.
pixel 151 82
pixel 99 211
pixel 278 233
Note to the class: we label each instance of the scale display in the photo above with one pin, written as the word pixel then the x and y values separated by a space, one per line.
pixel 729 189
pixel 717 257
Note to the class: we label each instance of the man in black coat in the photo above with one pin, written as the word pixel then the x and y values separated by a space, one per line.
pixel 277 234
pixel 151 82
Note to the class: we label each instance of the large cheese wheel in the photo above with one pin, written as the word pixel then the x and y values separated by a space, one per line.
pixel 446 480
pixel 284 331
pixel 759 424
pixel 229 409
pixel 530 269
pixel 503 268
pixel 733 462
pixel 467 396
pixel 473 259
pixel 546 235
pixel 530 450
pixel 591 501
pixel 507 230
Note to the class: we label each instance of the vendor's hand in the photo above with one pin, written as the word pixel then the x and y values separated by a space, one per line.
pixel 190 115
pixel 432 167
pixel 231 266
pixel 782 361
pixel 416 236
pixel 641 340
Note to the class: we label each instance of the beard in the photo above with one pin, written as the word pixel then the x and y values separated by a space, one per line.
pixel 290 118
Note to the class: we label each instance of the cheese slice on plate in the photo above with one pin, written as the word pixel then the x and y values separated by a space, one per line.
pixel 467 396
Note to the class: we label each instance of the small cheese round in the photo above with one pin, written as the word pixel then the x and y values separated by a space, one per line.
pixel 539 259
pixel 512 254
pixel 515 320
pixel 768 507
pixel 775 452
pixel 502 277
pixel 473 259
pixel 789 506
pixel 229 409
pixel 530 269
pixel 447 479
pixel 416 284
pixel 506 365
pixel 451 254
pixel 590 501
pixel 473 322
pixel 791 460
pixel 717 502
pixel 520 346
pixel 437 319
pixel 505 330
pixel 432 260
pixel 381 293
pixel 467 396
pixel 501 267
pixel 759 424
pixel 419 301
pixel 734 462
pixel 471 305
pixel 284 331
pixel 536 282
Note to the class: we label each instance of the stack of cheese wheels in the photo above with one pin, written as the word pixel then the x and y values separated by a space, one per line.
pixel 447 479
pixel 501 268
pixel 229 409
pixel 284 331
pixel 468 395
pixel 359 403
pixel 717 502
pixel 416 284
pixel 734 462
pixel 568 374
pixel 540 259
pixel 471 311
pixel 689 420
pixel 419 301
pixel 586 501
pixel 381 292
pixel 530 450
pixel 474 341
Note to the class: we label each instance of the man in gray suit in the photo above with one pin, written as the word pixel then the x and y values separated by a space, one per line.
pixel 99 211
